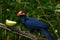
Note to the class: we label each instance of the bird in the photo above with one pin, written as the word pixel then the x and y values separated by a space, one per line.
pixel 33 23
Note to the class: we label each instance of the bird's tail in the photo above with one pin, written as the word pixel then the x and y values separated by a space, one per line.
pixel 48 35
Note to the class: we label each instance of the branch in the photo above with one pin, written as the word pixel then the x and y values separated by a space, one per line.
pixel 22 33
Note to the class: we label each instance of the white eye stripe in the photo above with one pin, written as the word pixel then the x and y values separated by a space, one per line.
pixel 23 13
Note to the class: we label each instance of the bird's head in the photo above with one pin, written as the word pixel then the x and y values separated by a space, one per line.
pixel 20 13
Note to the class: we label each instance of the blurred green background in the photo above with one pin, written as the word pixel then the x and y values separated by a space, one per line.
pixel 47 11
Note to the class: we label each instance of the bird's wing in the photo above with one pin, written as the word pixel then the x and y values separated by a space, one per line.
pixel 35 23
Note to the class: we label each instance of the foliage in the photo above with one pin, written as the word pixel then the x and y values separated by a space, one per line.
pixel 40 9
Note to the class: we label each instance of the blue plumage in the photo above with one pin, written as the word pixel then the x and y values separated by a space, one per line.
pixel 32 23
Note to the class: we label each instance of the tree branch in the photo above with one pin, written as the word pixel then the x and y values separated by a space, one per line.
pixel 22 33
